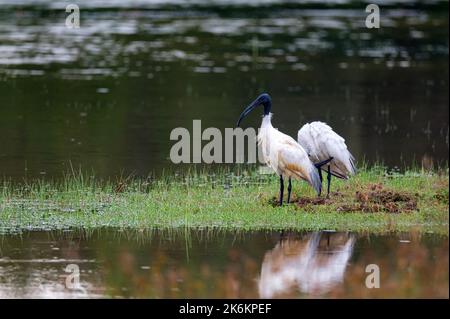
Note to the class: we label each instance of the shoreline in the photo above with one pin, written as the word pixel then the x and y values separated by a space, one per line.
pixel 372 201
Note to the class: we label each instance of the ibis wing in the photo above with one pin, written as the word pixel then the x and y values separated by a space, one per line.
pixel 305 139
pixel 324 143
pixel 294 159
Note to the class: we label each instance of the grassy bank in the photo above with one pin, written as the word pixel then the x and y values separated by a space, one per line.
pixel 372 201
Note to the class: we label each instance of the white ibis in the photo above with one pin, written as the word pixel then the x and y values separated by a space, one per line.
pixel 281 152
pixel 321 143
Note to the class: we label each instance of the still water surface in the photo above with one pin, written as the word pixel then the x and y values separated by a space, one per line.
pixel 220 264
pixel 106 96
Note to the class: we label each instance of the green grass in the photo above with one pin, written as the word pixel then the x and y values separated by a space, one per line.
pixel 240 200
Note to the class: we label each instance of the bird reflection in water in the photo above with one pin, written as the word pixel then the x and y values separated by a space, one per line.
pixel 313 265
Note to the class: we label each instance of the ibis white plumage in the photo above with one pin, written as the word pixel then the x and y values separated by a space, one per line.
pixel 321 143
pixel 281 152
pixel 309 266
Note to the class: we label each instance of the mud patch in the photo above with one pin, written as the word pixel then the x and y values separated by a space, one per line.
pixel 377 199
pixel 442 196
pixel 303 201
pixel 373 198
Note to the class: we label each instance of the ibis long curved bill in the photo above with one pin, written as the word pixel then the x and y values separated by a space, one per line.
pixel 263 99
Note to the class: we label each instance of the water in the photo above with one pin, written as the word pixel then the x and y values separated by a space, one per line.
pixel 106 96
pixel 200 264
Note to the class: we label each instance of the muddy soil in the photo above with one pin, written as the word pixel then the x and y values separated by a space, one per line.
pixel 370 199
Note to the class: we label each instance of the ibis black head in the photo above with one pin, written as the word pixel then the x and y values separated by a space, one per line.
pixel 264 100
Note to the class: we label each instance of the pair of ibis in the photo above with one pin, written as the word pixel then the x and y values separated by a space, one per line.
pixel 317 148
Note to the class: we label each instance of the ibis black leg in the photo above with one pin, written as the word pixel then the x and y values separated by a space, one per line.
pixel 289 190
pixel 320 176
pixel 281 190
pixel 282 235
pixel 329 181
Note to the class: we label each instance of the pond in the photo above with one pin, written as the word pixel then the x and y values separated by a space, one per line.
pixel 106 96
pixel 204 263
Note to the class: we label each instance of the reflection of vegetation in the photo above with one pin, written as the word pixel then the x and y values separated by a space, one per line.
pixel 221 264
pixel 415 260
pixel 222 267
pixel 228 200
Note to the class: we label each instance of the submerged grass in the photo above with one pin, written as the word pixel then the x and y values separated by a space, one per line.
pixel 375 200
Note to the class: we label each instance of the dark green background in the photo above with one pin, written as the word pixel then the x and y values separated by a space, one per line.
pixel 107 95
